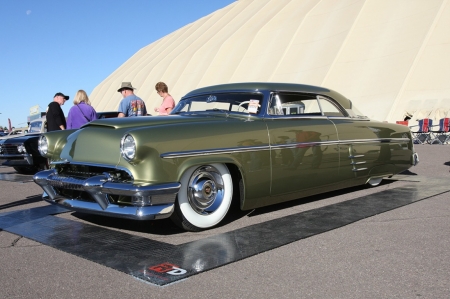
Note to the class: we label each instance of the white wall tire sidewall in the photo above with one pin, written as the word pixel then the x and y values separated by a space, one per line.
pixel 205 221
pixel 375 182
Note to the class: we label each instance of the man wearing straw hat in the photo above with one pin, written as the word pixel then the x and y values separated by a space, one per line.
pixel 131 105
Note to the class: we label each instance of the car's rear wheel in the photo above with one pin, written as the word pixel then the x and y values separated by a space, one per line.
pixel 374 181
pixel 204 198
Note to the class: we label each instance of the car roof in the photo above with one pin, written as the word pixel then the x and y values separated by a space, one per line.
pixel 272 86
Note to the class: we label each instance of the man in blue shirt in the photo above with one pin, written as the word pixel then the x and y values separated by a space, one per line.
pixel 131 105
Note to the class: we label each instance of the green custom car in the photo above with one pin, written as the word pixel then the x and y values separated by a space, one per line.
pixel 255 144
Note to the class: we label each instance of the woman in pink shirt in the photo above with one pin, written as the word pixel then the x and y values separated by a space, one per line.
pixel 168 103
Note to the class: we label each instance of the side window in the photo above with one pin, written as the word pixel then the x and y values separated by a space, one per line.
pixel 312 107
pixel 294 104
pixel 303 105
pixel 328 107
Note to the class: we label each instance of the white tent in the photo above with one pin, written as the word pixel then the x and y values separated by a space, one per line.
pixel 388 56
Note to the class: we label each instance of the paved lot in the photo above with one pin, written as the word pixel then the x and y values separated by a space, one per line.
pixel 402 253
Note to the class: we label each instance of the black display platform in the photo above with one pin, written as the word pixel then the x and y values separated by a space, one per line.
pixel 161 263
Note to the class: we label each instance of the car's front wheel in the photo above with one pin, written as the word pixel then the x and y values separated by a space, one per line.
pixel 204 197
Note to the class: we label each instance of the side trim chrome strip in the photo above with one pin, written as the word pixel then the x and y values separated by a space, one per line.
pixel 303 144
pixel 236 150
pixel 377 140
pixel 219 151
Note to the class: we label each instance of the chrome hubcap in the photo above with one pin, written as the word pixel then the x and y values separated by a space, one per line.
pixel 205 192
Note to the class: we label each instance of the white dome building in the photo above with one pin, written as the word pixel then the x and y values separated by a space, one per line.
pixel 388 56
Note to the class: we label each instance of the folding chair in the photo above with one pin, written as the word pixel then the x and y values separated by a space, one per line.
pixel 423 134
pixel 441 136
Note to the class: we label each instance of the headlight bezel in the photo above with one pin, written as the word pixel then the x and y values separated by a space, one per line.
pixel 43 145
pixel 128 147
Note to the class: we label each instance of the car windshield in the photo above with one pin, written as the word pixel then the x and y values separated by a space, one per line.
pixel 35 127
pixel 243 103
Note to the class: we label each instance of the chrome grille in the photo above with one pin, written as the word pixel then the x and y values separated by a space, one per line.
pixel 83 172
pixel 10 149
pixel 65 182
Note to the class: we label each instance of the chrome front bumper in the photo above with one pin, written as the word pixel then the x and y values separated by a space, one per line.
pixel 159 199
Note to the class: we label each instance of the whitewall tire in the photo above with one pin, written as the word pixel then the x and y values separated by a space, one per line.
pixel 204 197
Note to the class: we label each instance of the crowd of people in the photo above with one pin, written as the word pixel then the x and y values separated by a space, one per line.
pixel 82 111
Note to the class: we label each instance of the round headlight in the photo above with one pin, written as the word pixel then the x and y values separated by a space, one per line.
pixel 43 145
pixel 128 147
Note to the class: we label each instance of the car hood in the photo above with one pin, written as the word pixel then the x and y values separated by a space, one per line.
pixel 99 141
pixel 18 138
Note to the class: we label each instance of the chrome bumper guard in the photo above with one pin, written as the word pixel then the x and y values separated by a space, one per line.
pixel 159 199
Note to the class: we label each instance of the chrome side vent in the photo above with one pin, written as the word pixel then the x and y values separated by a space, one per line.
pixel 354 160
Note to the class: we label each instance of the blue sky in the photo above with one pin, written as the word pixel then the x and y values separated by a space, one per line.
pixel 51 46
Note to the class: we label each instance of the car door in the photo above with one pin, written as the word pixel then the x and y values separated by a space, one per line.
pixel 304 144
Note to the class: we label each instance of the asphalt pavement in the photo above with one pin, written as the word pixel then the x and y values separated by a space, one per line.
pixel 401 253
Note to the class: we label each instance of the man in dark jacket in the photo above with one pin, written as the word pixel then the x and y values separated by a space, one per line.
pixel 55 116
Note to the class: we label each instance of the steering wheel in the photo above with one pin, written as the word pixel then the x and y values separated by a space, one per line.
pixel 243 103
pixel 243 108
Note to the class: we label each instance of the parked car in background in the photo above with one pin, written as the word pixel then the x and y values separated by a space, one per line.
pixel 16 131
pixel 21 151
pixel 224 143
